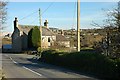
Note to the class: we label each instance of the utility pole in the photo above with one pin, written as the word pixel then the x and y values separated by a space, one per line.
pixel 78 25
pixel 40 20
pixel 119 16
pixel 40 17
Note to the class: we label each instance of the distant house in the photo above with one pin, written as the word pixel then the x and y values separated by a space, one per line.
pixel 62 41
pixel 55 30
pixel 20 36
pixel 8 36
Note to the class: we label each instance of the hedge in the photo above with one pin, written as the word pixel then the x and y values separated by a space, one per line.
pixel 92 63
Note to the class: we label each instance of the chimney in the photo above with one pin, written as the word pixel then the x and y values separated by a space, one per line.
pixel 15 23
pixel 62 32
pixel 46 23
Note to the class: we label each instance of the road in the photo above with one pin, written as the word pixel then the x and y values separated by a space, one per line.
pixel 23 66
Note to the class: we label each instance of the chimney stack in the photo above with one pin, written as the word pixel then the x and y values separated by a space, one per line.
pixel 15 23
pixel 62 32
pixel 46 23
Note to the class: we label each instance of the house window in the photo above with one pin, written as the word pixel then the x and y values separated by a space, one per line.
pixel 48 39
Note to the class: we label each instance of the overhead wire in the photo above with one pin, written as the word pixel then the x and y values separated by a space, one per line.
pixel 34 20
pixel 34 13
pixel 73 25
pixel 47 8
pixel 28 15
pixel 44 11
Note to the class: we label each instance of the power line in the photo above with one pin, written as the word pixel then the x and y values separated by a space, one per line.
pixel 74 15
pixel 37 11
pixel 47 8
pixel 43 12
pixel 34 20
pixel 34 13
pixel 72 34
pixel 28 15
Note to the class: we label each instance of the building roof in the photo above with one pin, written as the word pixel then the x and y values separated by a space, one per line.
pixel 60 37
pixel 27 28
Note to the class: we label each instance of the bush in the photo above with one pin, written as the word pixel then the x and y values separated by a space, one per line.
pixel 48 55
pixel 118 67
pixel 92 63
pixel 39 49
pixel 34 37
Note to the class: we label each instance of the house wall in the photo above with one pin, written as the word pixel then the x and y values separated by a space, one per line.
pixel 24 41
pixel 17 44
pixel 64 43
pixel 45 43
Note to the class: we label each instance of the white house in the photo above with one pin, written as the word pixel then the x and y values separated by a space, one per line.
pixel 20 37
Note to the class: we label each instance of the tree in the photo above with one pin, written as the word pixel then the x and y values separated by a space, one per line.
pixel 111 43
pixel 34 38
pixel 113 32
pixel 30 38
pixel 3 13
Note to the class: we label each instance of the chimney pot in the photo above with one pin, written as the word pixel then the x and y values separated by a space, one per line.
pixel 15 23
pixel 46 23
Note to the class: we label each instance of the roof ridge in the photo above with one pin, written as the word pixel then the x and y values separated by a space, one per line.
pixel 27 25
pixel 25 28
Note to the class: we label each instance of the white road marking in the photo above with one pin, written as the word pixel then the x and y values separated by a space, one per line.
pixel 13 60
pixel 31 71
pixel 25 67
pixel 6 55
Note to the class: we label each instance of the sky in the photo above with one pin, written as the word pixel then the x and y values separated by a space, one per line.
pixel 63 0
pixel 59 14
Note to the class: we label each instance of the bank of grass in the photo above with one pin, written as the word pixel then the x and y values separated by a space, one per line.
pixel 85 62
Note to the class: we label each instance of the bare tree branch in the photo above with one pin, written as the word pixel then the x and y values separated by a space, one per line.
pixel 112 27
pixel 3 14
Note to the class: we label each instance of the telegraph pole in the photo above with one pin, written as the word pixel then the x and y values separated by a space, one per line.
pixel 40 21
pixel 78 25
pixel 40 17
pixel 119 17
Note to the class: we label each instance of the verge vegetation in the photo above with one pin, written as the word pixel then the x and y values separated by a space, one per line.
pixel 86 62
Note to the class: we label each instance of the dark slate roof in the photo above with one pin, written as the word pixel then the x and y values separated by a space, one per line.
pixel 27 28
pixel 47 32
pixel 60 37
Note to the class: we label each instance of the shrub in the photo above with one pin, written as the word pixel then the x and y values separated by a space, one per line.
pixel 48 55
pixel 30 38
pixel 92 63
pixel 39 49
pixel 34 37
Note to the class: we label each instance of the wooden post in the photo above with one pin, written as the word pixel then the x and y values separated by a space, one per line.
pixel 78 25
pixel 40 19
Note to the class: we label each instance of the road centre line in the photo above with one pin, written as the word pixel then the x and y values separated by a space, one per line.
pixel 13 60
pixel 31 71
pixel 25 67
